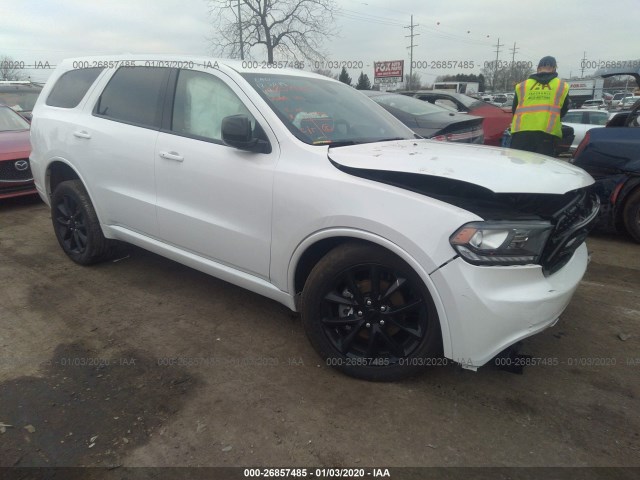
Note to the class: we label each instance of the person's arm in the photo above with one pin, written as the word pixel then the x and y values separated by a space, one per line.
pixel 565 106
pixel 515 102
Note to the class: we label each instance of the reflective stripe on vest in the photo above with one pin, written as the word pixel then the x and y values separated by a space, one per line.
pixel 533 115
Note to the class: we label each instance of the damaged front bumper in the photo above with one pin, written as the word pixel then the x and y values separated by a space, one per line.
pixel 490 308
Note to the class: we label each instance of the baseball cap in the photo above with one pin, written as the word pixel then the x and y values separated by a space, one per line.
pixel 547 61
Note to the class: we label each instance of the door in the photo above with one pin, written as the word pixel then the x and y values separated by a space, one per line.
pixel 120 136
pixel 214 200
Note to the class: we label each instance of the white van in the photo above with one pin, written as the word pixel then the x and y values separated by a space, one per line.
pixel 395 249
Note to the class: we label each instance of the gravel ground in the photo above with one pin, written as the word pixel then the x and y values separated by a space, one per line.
pixel 144 362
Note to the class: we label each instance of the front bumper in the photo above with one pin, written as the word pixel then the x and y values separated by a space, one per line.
pixel 490 308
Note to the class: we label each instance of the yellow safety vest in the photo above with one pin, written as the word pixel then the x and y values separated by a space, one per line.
pixel 539 106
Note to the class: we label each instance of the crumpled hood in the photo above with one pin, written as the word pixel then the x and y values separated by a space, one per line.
pixel 500 170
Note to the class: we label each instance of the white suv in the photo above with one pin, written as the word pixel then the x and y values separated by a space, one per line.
pixel 395 249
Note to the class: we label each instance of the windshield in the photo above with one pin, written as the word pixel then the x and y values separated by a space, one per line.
pixel 321 112
pixel 409 105
pixel 19 101
pixel 11 121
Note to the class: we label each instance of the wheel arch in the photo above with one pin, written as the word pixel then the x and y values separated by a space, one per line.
pixel 59 171
pixel 316 246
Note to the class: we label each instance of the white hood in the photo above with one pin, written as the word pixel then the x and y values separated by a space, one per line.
pixel 500 170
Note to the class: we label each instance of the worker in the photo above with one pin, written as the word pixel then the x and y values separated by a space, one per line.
pixel 538 105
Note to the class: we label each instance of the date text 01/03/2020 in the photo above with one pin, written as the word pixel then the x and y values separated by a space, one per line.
pixel 76 64
pixel 316 472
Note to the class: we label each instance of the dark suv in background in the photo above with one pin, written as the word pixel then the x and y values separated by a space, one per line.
pixel 612 156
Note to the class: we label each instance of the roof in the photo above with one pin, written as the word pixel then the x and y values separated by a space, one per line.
pixel 610 72
pixel 282 67
pixel 582 110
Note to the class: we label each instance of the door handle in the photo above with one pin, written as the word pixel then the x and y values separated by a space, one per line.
pixel 175 156
pixel 81 134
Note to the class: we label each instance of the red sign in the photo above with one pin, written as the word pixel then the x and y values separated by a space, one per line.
pixel 393 68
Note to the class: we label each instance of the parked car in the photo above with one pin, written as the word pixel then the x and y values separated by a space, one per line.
pixel 597 104
pixel 15 173
pixel 21 96
pixel 617 97
pixel 500 99
pixel 301 189
pixel 612 156
pixel 628 102
pixel 496 120
pixel 581 121
pixel 430 121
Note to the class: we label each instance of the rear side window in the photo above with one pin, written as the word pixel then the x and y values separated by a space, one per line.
pixel 572 117
pixel 71 87
pixel 134 95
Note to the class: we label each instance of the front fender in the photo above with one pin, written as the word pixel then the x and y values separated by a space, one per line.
pixel 318 236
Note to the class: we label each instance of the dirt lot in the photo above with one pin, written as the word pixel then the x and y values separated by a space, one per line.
pixel 144 362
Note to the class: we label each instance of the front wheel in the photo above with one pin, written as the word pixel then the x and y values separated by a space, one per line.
pixel 632 215
pixel 76 224
pixel 368 314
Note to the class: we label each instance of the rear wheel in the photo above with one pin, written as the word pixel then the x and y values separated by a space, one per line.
pixel 632 215
pixel 76 224
pixel 368 314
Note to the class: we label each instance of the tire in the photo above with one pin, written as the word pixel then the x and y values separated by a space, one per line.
pixel 76 224
pixel 369 315
pixel 632 215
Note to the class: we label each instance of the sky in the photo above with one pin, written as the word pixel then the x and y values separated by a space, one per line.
pixel 43 32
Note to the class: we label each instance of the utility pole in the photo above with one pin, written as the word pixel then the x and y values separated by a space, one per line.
pixel 495 71
pixel 239 28
pixel 513 62
pixel 410 47
pixel 584 58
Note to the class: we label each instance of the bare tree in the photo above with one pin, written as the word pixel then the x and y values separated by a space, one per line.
pixel 326 72
pixel 413 83
pixel 505 77
pixel 291 29
pixel 9 69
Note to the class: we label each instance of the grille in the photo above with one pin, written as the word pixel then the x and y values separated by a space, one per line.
pixel 9 172
pixel 572 225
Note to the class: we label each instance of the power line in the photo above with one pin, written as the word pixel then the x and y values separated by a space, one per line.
pixel 410 47
pixel 513 54
pixel 495 69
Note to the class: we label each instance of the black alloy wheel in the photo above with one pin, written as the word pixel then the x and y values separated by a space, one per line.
pixel 76 224
pixel 369 314
pixel 71 225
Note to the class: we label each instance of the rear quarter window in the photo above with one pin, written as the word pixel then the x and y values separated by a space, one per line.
pixel 71 87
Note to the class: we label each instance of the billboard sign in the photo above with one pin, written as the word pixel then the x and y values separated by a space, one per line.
pixel 388 69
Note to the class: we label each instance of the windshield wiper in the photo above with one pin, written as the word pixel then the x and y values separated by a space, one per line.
pixel 388 139
pixel 342 143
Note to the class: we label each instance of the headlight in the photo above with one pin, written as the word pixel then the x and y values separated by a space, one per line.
pixel 501 243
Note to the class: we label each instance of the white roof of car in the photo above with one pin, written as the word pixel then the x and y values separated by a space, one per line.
pixel 582 110
pixel 240 66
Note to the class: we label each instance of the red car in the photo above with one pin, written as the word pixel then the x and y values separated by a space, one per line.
pixel 15 172
pixel 496 120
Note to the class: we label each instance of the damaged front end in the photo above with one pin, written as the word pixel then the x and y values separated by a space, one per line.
pixel 517 228
pixel 541 229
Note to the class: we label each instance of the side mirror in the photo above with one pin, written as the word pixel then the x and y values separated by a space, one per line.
pixel 237 133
